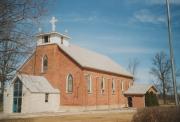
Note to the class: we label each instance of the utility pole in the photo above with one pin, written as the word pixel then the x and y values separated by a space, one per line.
pixel 171 52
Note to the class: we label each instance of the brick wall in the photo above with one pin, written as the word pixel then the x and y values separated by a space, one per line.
pixel 60 65
pixel 108 97
pixel 138 101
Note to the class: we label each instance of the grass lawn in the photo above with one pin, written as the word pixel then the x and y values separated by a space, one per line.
pixel 95 117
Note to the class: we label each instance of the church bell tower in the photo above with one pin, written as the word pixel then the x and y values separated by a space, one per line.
pixel 53 36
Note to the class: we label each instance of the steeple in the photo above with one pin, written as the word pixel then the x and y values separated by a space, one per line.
pixel 53 36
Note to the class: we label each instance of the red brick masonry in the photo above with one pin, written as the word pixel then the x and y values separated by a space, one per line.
pixel 60 65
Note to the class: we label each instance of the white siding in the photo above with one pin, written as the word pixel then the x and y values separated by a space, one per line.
pixel 35 102
pixel 39 41
pixel 32 102
pixel 8 100
pixel 53 39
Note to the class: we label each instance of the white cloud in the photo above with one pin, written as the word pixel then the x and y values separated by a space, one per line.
pixel 145 16
pixel 114 47
pixel 76 17
pixel 81 19
pixel 133 50
pixel 143 75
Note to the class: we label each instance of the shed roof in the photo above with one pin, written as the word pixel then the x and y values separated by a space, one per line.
pixel 36 84
pixel 139 89
pixel 91 59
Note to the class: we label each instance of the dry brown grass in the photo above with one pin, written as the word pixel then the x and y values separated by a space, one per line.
pixel 157 114
pixel 98 117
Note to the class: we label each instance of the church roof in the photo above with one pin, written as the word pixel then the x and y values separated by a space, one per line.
pixel 91 59
pixel 139 89
pixel 36 84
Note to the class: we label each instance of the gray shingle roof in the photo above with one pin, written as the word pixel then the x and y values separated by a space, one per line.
pixel 36 84
pixel 138 88
pixel 91 59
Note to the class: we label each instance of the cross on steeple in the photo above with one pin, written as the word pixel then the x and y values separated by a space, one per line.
pixel 53 22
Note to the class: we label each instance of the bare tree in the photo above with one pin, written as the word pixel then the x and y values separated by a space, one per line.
pixel 17 19
pixel 161 71
pixel 132 67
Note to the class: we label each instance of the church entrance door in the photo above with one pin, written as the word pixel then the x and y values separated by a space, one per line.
pixel 130 102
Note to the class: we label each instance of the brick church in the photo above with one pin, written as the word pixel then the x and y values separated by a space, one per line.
pixel 62 76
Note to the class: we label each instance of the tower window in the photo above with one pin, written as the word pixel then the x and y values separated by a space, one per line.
pixel 46 39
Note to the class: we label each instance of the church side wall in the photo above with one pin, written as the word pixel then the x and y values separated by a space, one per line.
pixel 96 98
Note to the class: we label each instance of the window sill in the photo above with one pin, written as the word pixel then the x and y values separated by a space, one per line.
pixel 122 92
pixel 43 72
pixel 90 93
pixel 102 93
pixel 69 92
pixel 113 92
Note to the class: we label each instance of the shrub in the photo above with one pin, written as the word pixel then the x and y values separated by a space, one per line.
pixel 151 99
pixel 157 114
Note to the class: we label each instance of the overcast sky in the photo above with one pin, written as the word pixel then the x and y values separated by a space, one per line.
pixel 120 29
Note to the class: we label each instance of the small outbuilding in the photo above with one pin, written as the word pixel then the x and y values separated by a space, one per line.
pixel 29 94
pixel 136 94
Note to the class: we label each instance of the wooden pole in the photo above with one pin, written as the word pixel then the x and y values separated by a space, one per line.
pixel 171 52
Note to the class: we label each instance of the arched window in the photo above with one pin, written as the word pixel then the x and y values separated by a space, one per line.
pixel 122 85
pixel 102 85
pixel 69 84
pixel 44 63
pixel 89 83
pixel 17 96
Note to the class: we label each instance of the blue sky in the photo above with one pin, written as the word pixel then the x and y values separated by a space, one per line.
pixel 120 29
